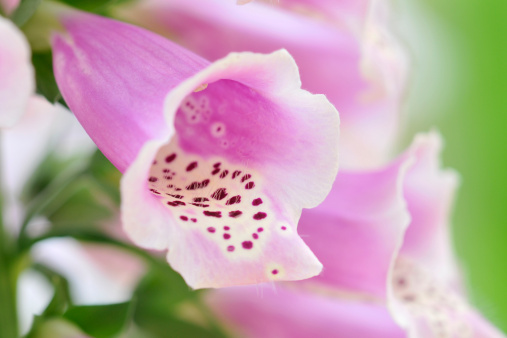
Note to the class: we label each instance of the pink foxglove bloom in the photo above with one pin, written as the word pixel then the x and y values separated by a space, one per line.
pixel 219 159
pixel 16 74
pixel 343 49
pixel 8 6
pixel 357 233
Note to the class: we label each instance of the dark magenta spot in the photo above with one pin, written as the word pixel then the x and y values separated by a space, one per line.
pixel 230 248
pixel 170 186
pixel 153 179
pixel 166 171
pixel 219 194
pixel 260 229
pixel 224 173
pixel 259 215
pixel 245 177
pixel 236 173
pixel 235 213
pixel 215 171
pixel 226 228
pixel 257 201
pixel 200 205
pixel 154 191
pixel 211 229
pixel 177 189
pixel 184 218
pixel 170 158
pixel 255 236
pixel 217 214
pixel 154 162
pixel 216 165
pixel 247 245
pixel 274 272
pixel 192 166
pixel 167 177
pixel 176 203
pixel 204 183
pixel 194 220
pixel 227 236
pixel 284 228
pixel 200 199
pixel 249 185
pixel 193 186
pixel 176 196
pixel 233 200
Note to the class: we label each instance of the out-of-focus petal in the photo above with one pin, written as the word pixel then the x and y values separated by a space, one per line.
pixel 358 229
pixel 425 292
pixel 426 307
pixel 281 312
pixel 361 71
pixel 429 191
pixel 227 165
pixel 8 6
pixel 16 74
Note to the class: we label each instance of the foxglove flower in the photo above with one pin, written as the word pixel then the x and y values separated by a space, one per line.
pixel 219 159
pixel 16 74
pixel 343 49
pixel 8 6
pixel 371 262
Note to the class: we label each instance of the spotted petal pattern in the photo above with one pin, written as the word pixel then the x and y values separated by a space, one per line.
pixel 217 171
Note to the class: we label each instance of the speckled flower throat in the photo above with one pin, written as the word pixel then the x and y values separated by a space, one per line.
pixel 442 311
pixel 202 176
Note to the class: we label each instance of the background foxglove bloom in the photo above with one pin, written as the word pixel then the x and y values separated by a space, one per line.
pixel 8 6
pixel 343 50
pixel 371 264
pixel 16 74
pixel 219 159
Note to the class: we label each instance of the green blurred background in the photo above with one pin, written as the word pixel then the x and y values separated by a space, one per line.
pixel 459 86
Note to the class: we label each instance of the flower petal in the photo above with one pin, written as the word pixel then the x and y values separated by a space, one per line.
pixel 425 291
pixel 9 6
pixel 114 77
pixel 362 78
pixel 358 229
pixel 226 166
pixel 429 191
pixel 425 307
pixel 281 312
pixel 16 72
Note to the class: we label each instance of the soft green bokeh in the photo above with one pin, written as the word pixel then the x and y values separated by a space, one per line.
pixel 467 78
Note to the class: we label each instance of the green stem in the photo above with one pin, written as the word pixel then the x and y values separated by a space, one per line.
pixel 8 309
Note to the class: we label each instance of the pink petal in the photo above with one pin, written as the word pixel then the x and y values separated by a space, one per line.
pixel 425 290
pixel 9 6
pixel 358 229
pixel 425 307
pixel 269 312
pixel 362 78
pixel 227 165
pixel 116 82
pixel 16 74
pixel 429 191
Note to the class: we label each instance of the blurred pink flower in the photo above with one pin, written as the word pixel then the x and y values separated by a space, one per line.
pixel 343 49
pixel 219 159
pixel 16 74
pixel 8 6
pixel 371 264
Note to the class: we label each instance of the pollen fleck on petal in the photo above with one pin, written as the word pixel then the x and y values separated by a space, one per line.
pixel 201 87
